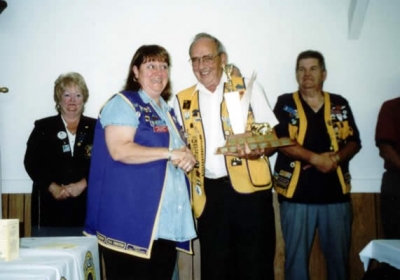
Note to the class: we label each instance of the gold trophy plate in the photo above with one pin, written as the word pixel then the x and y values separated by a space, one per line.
pixel 260 137
pixel 254 142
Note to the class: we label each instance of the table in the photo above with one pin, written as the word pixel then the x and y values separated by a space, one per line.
pixel 382 250
pixel 54 258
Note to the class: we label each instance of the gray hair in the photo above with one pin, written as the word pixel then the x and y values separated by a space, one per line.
pixel 218 44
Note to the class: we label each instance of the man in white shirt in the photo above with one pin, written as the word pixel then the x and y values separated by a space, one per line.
pixel 232 196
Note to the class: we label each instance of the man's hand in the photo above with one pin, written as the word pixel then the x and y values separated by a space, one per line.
pixel 324 162
pixel 249 154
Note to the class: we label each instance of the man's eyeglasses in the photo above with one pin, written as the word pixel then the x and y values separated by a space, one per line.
pixel 206 59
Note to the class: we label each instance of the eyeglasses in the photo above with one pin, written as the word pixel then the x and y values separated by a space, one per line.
pixel 206 60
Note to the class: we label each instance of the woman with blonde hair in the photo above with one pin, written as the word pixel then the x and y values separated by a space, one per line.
pixel 57 159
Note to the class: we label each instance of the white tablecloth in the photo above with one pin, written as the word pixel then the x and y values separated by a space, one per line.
pixel 54 258
pixel 382 250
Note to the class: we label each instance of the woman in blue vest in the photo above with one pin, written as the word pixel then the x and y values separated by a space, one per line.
pixel 139 195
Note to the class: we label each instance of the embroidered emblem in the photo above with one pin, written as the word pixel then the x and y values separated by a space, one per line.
pixel 292 112
pixel 186 104
pixel 195 113
pixel 88 151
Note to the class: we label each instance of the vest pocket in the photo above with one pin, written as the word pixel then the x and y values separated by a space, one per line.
pixel 259 172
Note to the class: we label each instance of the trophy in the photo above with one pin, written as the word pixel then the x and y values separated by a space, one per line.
pixel 228 68
pixel 260 135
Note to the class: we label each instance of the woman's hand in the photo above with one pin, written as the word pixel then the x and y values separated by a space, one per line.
pixel 183 158
pixel 58 192
pixel 75 189
pixel 61 192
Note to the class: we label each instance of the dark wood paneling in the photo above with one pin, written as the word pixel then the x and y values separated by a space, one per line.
pixel 27 215
pixel 365 221
pixel 18 206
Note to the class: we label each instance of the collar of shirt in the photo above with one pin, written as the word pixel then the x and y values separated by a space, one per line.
pixel 71 137
pixel 219 90
pixel 148 99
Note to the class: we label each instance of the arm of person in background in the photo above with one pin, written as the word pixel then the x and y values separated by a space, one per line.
pixel 352 142
pixel 386 135
pixel 37 165
pixel 35 161
pixel 389 154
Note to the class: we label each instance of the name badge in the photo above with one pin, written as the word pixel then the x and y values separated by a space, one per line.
pixel 66 148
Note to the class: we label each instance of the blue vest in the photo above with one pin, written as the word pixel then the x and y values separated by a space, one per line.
pixel 124 200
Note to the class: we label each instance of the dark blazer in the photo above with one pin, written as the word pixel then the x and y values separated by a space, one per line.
pixel 48 159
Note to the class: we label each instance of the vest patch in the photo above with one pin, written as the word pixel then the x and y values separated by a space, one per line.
pixel 160 129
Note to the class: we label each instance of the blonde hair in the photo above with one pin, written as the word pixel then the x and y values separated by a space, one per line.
pixel 68 79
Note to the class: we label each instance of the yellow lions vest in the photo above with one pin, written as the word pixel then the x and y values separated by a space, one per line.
pixel 246 176
pixel 298 133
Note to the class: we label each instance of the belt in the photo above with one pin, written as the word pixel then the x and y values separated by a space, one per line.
pixel 224 179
